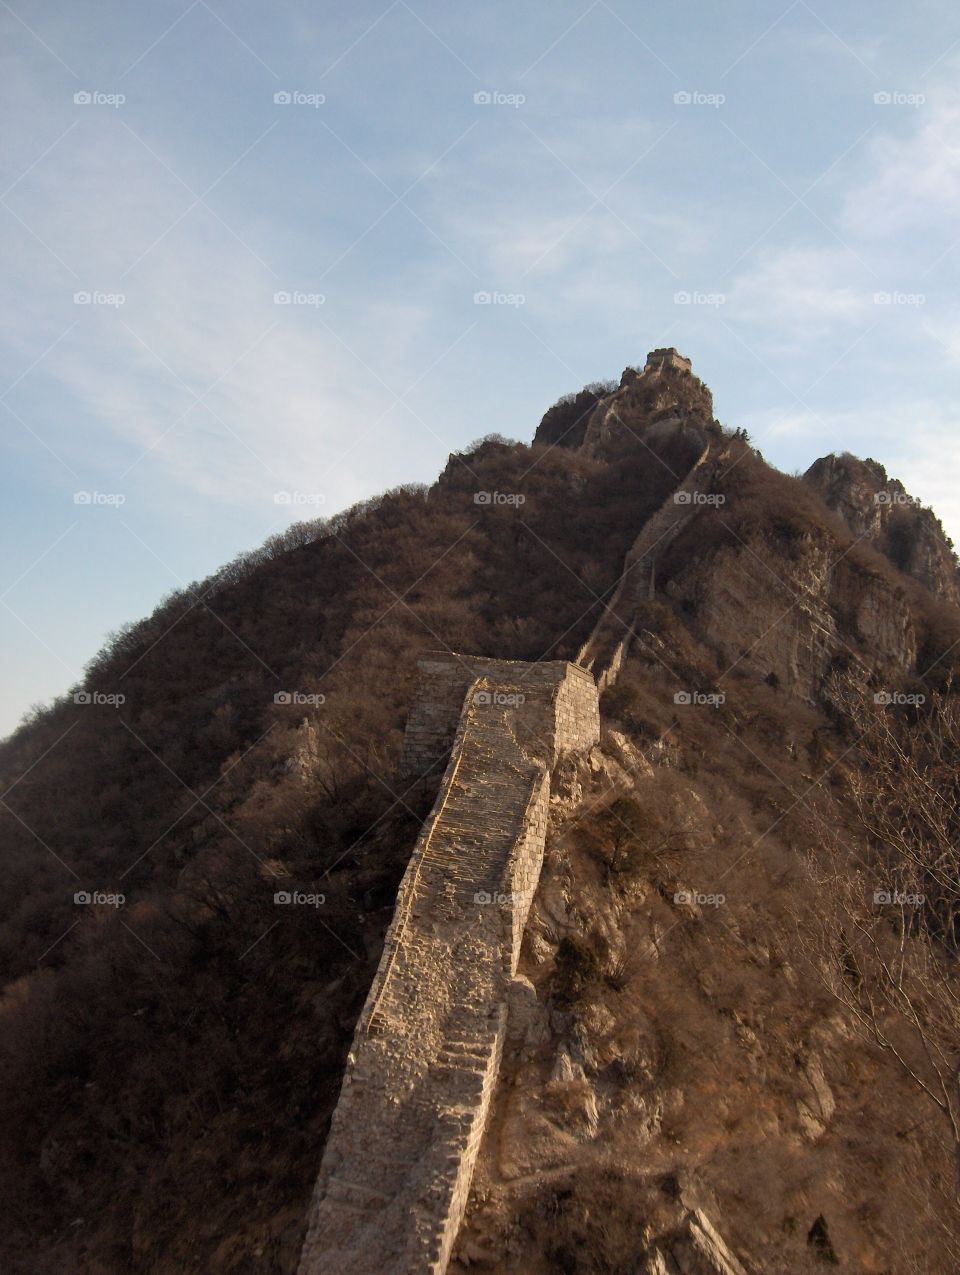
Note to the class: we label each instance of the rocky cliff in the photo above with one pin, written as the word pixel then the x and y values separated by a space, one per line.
pixel 880 509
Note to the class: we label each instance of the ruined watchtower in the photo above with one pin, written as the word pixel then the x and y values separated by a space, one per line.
pixel 669 357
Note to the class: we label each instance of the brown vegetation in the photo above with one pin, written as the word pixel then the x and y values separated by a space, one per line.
pixel 168 1067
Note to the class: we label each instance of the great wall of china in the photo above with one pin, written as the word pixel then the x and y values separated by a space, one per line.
pixel 404 1137
pixel 606 648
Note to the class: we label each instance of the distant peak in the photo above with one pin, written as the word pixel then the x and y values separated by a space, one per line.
pixel 878 508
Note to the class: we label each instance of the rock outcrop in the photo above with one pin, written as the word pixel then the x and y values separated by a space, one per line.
pixel 879 509
pixel 697 1248
pixel 791 622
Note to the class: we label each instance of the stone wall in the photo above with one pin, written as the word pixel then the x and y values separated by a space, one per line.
pixel 444 679
pixel 668 358
pixel 404 1137
pixel 606 648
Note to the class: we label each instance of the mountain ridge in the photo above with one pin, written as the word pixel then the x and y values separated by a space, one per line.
pixel 201 795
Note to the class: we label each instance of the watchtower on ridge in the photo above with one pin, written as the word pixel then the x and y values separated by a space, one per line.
pixel 668 357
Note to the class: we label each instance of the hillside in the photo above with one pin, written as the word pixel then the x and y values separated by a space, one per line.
pixel 720 1012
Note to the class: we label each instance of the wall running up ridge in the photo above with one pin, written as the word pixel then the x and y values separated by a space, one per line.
pixel 404 1137
pixel 606 648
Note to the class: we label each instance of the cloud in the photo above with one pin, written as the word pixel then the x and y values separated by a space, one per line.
pixel 287 391
pixel 912 178
pixel 802 289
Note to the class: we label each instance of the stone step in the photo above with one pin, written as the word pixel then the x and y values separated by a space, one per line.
pixel 467 1081
pixel 463 1058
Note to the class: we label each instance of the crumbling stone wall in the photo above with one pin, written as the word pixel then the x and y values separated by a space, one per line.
pixel 667 357
pixel 444 679
pixel 606 648
pixel 403 1141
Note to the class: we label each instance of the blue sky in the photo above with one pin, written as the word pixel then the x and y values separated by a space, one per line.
pixel 774 190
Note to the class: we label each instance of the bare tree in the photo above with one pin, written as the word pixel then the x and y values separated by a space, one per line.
pixel 884 928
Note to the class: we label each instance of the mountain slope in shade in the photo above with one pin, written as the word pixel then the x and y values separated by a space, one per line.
pixel 168 1065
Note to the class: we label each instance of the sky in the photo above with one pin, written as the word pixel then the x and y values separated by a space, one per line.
pixel 263 261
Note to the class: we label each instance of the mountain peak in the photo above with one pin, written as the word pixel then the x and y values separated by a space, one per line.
pixel 605 414
pixel 879 509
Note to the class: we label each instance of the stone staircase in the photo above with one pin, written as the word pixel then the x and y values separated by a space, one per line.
pixel 404 1137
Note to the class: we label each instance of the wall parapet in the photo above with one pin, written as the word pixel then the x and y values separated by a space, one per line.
pixel 404 1137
